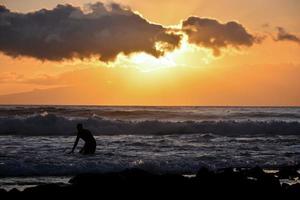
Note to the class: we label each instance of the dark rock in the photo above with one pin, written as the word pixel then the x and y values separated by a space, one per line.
pixel 227 182
pixel 288 172
pixel 269 184
pixel 204 174
pixel 14 191
pixel 129 181
pixel 293 190
pixel 135 172
pixel 255 172
pixel 2 191
pixel 131 174
pixel 45 189
pixel 285 186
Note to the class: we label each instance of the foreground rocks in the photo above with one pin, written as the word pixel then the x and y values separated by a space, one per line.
pixel 241 183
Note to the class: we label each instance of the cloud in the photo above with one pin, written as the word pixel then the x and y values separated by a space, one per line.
pixel 68 32
pixel 265 25
pixel 10 77
pixel 106 30
pixel 212 34
pixel 283 35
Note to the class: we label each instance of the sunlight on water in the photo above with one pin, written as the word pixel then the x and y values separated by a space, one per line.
pixel 173 153
pixel 35 139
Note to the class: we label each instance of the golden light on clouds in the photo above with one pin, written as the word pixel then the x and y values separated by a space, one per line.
pixel 186 55
pixel 151 53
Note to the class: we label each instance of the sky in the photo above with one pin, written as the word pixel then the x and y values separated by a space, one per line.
pixel 132 52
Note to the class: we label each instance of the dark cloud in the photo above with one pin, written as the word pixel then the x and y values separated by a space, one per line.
pixel 3 9
pixel 67 32
pixel 283 35
pixel 212 34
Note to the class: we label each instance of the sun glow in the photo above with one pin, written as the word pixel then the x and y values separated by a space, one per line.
pixel 187 55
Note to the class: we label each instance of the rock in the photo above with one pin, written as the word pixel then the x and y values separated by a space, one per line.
pixel 14 191
pixel 293 189
pixel 44 189
pixel 263 182
pixel 288 172
pixel 285 186
pixel 2 191
pixel 204 174
pixel 255 172
pixel 130 174
pixel 128 180
pixel 251 182
pixel 269 184
pixel 135 172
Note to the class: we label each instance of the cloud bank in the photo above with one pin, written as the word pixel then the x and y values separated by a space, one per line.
pixel 67 32
pixel 212 34
pixel 102 30
pixel 283 35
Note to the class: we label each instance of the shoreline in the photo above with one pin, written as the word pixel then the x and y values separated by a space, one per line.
pixel 230 181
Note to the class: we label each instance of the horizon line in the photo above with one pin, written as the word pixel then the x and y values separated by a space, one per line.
pixel 135 105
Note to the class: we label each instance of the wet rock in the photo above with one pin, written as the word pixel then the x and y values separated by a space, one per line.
pixel 14 191
pixel 285 186
pixel 2 191
pixel 269 184
pixel 288 172
pixel 250 182
pixel 255 172
pixel 47 188
pixel 204 174
pixel 293 190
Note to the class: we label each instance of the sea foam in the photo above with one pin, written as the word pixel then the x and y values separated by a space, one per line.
pixel 50 124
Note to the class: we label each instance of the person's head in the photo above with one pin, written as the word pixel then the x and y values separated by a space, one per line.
pixel 79 127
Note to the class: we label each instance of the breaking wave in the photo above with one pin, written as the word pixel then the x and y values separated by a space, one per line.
pixel 51 124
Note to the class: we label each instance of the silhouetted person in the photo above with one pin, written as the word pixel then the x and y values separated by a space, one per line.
pixel 90 142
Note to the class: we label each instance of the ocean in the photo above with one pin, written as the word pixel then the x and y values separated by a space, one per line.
pixel 34 140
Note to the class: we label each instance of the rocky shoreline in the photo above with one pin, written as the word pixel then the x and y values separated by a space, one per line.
pixel 252 182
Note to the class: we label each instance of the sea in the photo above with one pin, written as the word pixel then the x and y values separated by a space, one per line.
pixel 35 140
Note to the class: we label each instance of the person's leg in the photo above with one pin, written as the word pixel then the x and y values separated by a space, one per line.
pixel 90 149
pixel 82 150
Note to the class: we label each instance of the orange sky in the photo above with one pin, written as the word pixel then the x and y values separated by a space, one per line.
pixel 266 73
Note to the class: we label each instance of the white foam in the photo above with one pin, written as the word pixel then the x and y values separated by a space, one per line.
pixel 46 156
pixel 51 124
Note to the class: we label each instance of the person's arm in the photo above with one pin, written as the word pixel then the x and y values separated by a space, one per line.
pixel 75 144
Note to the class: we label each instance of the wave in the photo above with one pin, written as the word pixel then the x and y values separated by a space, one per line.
pixel 50 124
pixel 265 115
pixel 159 113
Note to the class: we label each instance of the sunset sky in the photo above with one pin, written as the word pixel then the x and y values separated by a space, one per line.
pixel 154 52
